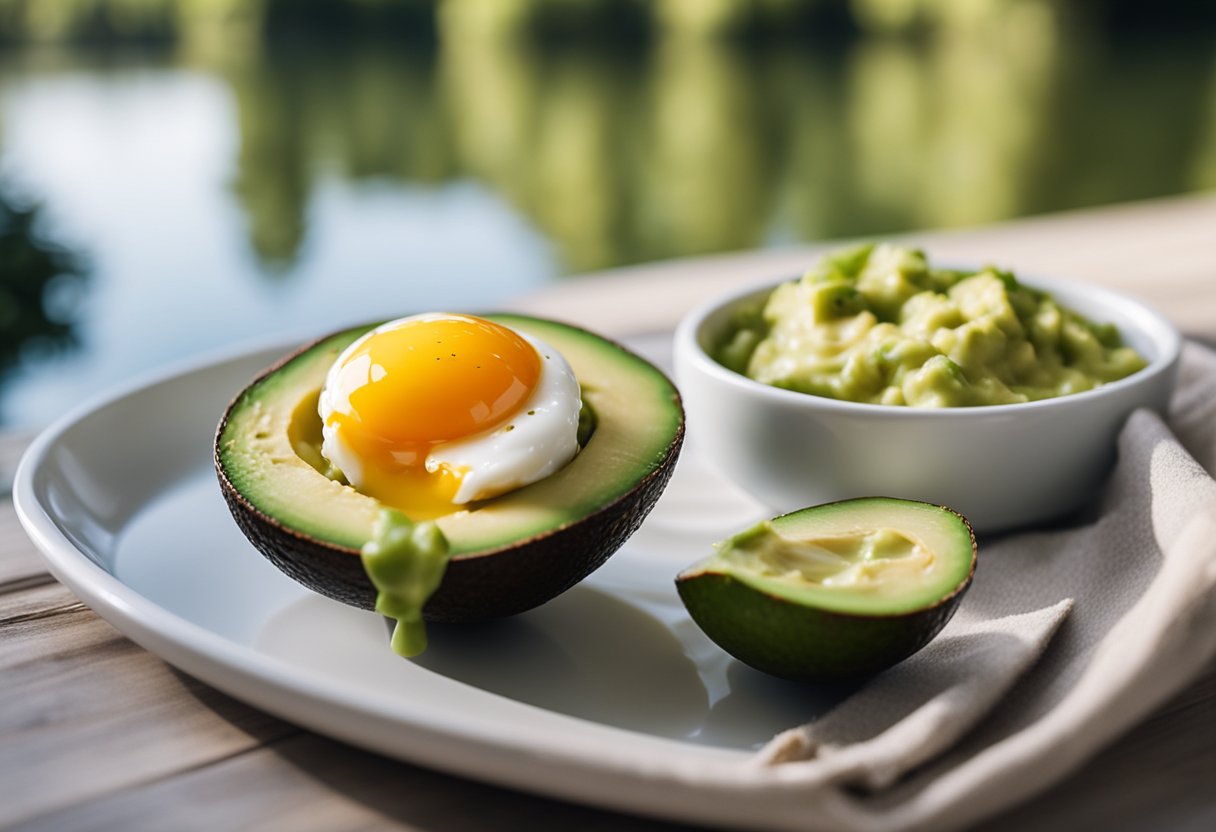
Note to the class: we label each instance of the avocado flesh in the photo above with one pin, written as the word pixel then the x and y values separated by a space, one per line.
pixel 313 526
pixel 833 591
pixel 872 556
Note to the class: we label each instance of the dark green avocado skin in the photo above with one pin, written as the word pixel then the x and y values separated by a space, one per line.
pixel 805 643
pixel 477 586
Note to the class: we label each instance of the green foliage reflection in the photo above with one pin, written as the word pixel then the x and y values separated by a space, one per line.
pixel 667 139
pixel 40 281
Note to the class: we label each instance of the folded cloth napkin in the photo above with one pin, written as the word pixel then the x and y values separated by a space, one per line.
pixel 1067 637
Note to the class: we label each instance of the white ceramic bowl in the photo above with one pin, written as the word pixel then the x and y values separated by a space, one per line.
pixel 1001 466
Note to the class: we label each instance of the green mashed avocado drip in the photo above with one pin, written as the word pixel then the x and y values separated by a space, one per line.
pixel 877 324
pixel 405 561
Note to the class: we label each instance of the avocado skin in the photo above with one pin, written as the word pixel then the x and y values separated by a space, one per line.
pixel 811 644
pixel 477 586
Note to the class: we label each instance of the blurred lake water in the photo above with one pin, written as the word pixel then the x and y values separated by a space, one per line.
pixel 164 196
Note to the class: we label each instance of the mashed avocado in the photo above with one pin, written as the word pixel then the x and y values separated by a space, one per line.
pixel 876 324
pixel 405 562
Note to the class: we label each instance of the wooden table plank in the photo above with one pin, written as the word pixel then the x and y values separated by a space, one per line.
pixel 311 784
pixel 86 712
pixel 20 564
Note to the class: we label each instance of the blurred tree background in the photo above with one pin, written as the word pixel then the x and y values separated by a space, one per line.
pixel 621 131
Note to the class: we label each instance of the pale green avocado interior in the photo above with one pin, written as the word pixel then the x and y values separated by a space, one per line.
pixel 267 450
pixel 870 556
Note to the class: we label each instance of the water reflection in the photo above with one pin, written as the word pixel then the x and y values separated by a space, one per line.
pixel 710 169
pixel 274 176
pixel 40 286
pixel 638 148
pixel 556 132
pixel 692 145
pixel 971 112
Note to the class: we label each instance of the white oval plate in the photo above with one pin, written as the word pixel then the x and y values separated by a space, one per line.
pixel 607 695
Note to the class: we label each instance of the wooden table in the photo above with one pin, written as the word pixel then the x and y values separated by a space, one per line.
pixel 96 733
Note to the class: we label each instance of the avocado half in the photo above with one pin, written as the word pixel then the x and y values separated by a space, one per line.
pixel 834 591
pixel 509 554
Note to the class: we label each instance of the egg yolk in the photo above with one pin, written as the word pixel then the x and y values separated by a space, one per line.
pixel 417 384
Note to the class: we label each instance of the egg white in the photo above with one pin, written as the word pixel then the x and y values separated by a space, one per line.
pixel 536 441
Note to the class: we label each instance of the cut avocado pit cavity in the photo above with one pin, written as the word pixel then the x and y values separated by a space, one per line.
pixel 833 591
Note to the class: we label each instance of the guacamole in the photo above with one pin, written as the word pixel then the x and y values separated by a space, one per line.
pixel 877 324
pixel 405 562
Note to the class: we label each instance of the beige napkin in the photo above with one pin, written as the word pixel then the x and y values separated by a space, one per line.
pixel 1067 637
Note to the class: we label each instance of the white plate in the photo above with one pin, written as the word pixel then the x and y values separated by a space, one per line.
pixel 608 694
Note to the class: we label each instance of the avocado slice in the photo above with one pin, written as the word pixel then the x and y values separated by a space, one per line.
pixel 508 554
pixel 832 591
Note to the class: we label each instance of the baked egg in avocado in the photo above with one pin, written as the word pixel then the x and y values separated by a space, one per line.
pixel 327 464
